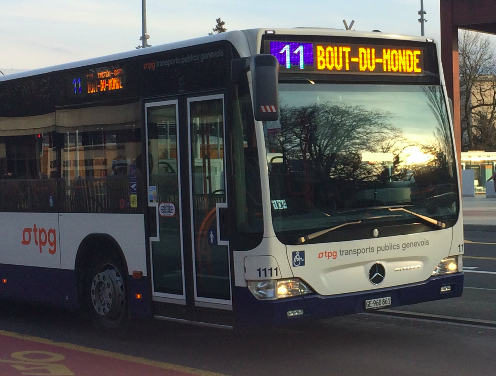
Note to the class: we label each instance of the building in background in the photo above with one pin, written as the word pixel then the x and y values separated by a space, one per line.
pixel 482 163
pixel 483 128
pixel 475 15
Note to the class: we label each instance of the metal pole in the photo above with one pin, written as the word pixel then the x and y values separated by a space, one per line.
pixel 143 24
pixel 422 33
pixel 2 73
pixel 144 36
pixel 422 19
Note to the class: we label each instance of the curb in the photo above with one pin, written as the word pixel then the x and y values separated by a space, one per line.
pixel 434 317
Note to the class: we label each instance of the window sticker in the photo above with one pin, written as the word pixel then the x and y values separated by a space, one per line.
pixel 279 204
pixel 152 193
pixel 298 258
pixel 167 209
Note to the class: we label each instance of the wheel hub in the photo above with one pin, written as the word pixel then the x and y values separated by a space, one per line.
pixel 107 292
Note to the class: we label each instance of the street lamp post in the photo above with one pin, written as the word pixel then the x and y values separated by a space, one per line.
pixel 422 19
pixel 144 36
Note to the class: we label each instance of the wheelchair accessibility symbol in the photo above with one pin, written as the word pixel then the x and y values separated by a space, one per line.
pixel 298 258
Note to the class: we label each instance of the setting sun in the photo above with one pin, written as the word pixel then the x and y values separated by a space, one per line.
pixel 413 155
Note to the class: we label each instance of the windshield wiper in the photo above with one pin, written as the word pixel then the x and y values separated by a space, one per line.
pixel 314 235
pixel 426 219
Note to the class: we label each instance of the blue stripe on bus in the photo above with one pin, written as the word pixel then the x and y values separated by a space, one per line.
pixel 249 311
pixel 57 287
pixel 39 285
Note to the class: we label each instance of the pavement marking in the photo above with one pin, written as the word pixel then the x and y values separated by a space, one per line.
pixel 110 354
pixel 488 324
pixel 480 258
pixel 475 242
pixel 471 269
pixel 478 288
pixel 479 272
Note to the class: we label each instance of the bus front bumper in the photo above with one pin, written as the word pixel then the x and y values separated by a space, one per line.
pixel 252 312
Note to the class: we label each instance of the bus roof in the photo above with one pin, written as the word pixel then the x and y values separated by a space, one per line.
pixel 246 41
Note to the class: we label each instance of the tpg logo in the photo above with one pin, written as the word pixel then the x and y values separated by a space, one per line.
pixel 41 238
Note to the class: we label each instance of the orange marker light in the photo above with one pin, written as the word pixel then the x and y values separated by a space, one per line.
pixel 4 281
pixel 138 296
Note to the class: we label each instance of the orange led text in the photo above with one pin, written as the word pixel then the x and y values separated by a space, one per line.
pixel 105 80
pixel 368 59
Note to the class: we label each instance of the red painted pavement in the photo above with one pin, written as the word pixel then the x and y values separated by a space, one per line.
pixel 23 355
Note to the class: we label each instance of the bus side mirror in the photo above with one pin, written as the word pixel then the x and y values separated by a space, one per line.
pixel 265 71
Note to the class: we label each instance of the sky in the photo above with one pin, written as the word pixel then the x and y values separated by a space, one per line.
pixel 36 33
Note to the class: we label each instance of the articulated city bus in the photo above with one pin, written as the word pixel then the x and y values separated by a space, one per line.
pixel 258 177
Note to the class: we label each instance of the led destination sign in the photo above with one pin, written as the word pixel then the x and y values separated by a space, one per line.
pixel 104 80
pixel 342 58
pixel 99 80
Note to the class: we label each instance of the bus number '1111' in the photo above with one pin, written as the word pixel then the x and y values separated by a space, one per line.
pixel 268 272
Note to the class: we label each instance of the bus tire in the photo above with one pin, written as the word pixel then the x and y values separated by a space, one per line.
pixel 106 294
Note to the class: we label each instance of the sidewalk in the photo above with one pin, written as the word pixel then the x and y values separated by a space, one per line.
pixel 479 213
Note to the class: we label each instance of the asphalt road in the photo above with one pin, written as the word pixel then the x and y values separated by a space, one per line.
pixel 430 341
pixel 478 304
pixel 366 344
pixel 480 260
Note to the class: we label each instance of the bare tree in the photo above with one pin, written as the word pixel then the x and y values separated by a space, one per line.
pixel 332 137
pixel 219 27
pixel 483 109
pixel 477 60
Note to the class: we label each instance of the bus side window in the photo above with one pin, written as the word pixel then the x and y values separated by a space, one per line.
pixel 28 172
pixel 100 164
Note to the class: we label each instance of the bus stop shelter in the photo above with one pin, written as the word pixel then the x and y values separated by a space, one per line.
pixel 476 15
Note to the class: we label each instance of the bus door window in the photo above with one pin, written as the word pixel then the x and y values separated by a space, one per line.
pixel 163 182
pixel 208 190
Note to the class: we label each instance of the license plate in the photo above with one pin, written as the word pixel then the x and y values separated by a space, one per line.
pixel 378 303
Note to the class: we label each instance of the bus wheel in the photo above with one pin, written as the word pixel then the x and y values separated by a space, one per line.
pixel 106 295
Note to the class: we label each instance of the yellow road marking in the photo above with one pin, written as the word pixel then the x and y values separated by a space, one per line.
pixel 110 354
pixel 472 242
pixel 480 258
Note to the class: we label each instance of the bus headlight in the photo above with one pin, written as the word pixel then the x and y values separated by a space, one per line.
pixel 447 265
pixel 278 288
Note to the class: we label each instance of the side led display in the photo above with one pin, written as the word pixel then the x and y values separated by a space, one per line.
pixel 98 80
pixel 104 80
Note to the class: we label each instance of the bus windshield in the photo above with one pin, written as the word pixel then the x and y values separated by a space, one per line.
pixel 346 157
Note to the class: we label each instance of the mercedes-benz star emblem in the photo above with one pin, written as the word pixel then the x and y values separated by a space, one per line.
pixel 377 273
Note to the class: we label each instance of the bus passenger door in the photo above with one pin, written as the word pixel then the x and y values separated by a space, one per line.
pixel 164 200
pixel 208 193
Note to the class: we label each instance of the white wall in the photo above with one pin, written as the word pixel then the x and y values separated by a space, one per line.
pixel 490 189
pixel 468 189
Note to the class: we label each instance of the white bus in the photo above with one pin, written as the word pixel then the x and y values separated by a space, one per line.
pixel 258 177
